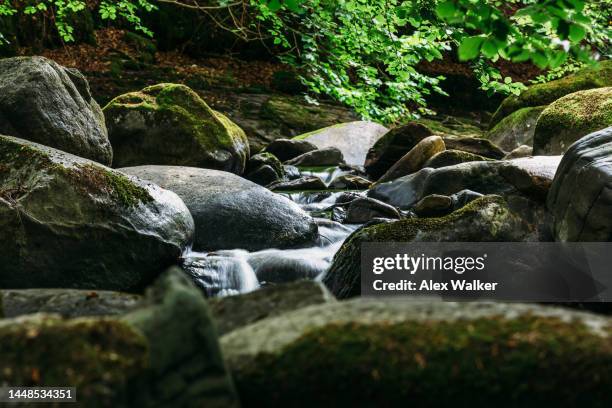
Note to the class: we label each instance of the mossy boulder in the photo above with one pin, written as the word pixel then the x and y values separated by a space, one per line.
pixel 475 145
pixel 69 222
pixel 295 113
pixel 46 103
pixel 163 353
pixel 516 129
pixel 580 198
pixel 570 118
pixel 485 219
pixel 353 139
pixel 264 168
pixel 169 124
pixel 443 125
pixel 597 76
pixel 388 353
pixel 231 212
pixel 452 157
pixel 530 177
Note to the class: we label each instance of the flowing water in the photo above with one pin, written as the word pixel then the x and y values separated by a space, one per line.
pixel 229 272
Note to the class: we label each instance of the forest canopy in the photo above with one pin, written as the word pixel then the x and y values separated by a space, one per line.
pixel 364 53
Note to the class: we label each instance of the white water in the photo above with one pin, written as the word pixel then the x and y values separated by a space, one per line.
pixel 228 272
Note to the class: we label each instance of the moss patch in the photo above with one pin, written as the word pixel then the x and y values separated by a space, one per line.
pixel 295 113
pixel 528 361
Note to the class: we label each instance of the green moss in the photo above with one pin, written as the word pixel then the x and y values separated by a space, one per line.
pixel 452 157
pixel 295 113
pixel 572 117
pixel 527 361
pixel 314 132
pixel 97 356
pixel 544 94
pixel 452 126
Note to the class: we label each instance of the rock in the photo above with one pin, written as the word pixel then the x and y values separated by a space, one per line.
pixel 580 196
pixel 392 146
pixel 570 118
pixel 544 94
pixel 415 159
pixel 350 182
pixel 264 168
pixel 530 177
pixel 463 198
pixel 452 157
pixel 291 172
pixel 479 146
pixel 231 212
pixel 352 138
pixel 444 125
pixel 169 124
pixel 483 220
pixel 363 209
pixel 66 302
pixel 163 353
pixel 300 184
pixel 377 352
pixel 46 103
pixel 516 129
pixel 234 312
pixel 287 149
pixel 433 205
pixel 520 152
pixel 329 156
pixel 69 222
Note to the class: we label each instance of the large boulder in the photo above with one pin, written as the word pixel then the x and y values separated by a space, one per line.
pixel 353 139
pixel 516 129
pixel 69 222
pixel 46 103
pixel 231 212
pixel 415 159
pixel 388 353
pixel 570 118
pixel 163 353
pixel 485 219
pixel 580 198
pixel 169 124
pixel 543 94
pixel 527 176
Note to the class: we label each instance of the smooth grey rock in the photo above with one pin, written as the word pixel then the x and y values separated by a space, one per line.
pixel 300 184
pixel 363 209
pixel 516 129
pixel 49 104
pixel 520 152
pixel 351 182
pixel 415 159
pixel 287 149
pixel 328 156
pixel 433 205
pixel 231 212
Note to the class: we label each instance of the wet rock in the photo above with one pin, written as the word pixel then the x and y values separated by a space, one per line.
pixel 324 346
pixel 48 104
pixel 452 157
pixel 291 172
pixel 263 175
pixel 520 152
pixel 478 146
pixel 544 94
pixel 352 138
pixel 570 118
pixel 163 353
pixel 392 146
pixel 350 182
pixel 446 125
pixel 486 219
pixel 231 212
pixel 169 124
pixel 300 184
pixel 287 149
pixel 516 129
pixel 72 223
pixel 415 159
pixel 433 205
pixel 329 156
pixel 264 169
pixel 66 302
pixel 580 197
pixel 530 177
pixel 363 209
pixel 234 312
pixel 463 198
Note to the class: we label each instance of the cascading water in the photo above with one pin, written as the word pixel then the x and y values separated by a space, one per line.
pixel 229 272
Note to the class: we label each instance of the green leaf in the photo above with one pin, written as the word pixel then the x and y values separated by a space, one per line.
pixel 576 33
pixel 470 48
pixel 446 9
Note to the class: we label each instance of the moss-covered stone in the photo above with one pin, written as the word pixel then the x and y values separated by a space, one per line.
pixel 296 113
pixel 570 118
pixel 516 129
pixel 452 126
pixel 544 94
pixel 452 157
pixel 485 219
pixel 170 124
pixel 69 222
pixel 368 352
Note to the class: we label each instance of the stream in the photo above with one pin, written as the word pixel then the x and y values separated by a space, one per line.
pixel 234 271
